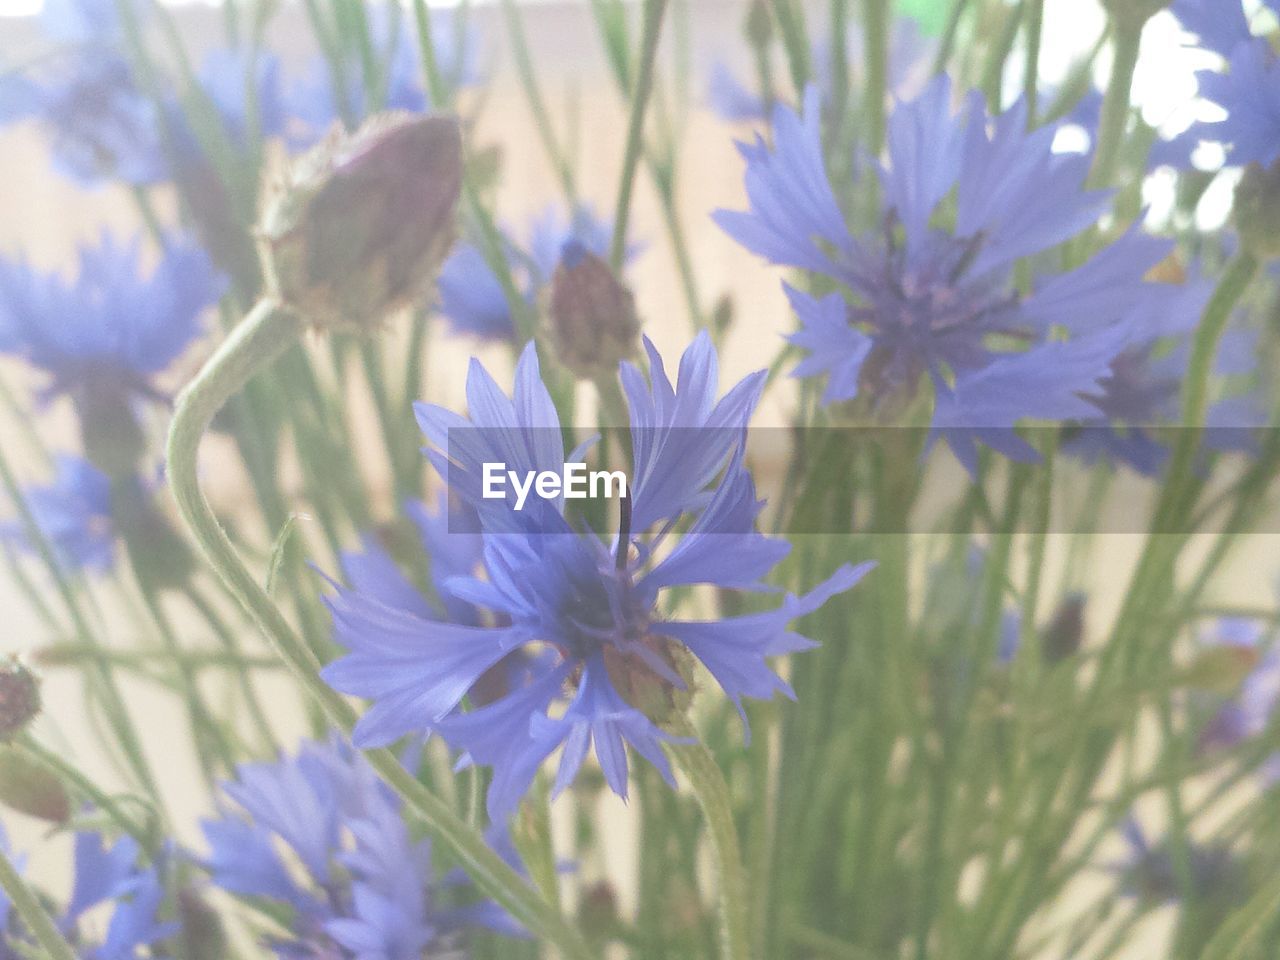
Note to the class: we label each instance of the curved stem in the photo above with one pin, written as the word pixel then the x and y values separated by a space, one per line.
pixel 712 793
pixel 264 334
pixel 34 916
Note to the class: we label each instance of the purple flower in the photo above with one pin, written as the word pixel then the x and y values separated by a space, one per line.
pixel 923 307
pixel 101 125
pixel 367 889
pixel 1248 92
pixel 1219 25
pixel 1141 391
pixel 103 336
pixel 1148 874
pixel 103 875
pixel 586 607
pixel 1247 713
pixel 73 514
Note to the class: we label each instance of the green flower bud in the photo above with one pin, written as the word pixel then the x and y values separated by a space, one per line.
pixel 1257 210
pixel 361 224
pixel 19 697
pixel 593 316
pixel 1062 637
pixel 598 912
pixel 28 787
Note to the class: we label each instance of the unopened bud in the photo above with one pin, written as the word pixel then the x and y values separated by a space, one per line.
pixel 19 698
pixel 202 934
pixel 361 225
pixel 28 787
pixel 658 685
pixel 1063 635
pixel 598 911
pixel 1257 210
pixel 593 316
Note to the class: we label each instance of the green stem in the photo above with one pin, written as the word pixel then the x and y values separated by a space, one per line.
pixel 34 916
pixel 1031 76
pixel 949 34
pixel 877 17
pixel 268 330
pixel 712 793
pixel 1115 105
pixel 653 12
pixel 537 106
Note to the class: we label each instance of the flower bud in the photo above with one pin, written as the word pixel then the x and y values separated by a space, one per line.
pixel 598 911
pixel 28 787
pixel 593 316
pixel 19 698
pixel 364 220
pixel 652 693
pixel 1063 635
pixel 1257 210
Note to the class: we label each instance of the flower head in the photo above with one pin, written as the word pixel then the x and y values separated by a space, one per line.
pixel 366 887
pixel 607 665
pixel 105 335
pixel 73 515
pixel 101 125
pixel 928 305
pixel 1148 872
pixel 104 874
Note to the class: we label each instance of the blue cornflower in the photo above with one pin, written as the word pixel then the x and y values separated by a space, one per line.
pixel 609 661
pixel 364 887
pixel 73 514
pixel 471 295
pixel 923 306
pixel 1247 713
pixel 102 126
pixel 103 336
pixel 1147 872
pixel 1143 386
pixel 1248 92
pixel 103 875
pixel 314 105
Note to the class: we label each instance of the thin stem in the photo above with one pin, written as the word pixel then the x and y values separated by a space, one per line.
pixel 1031 76
pixel 712 793
pixel 877 29
pixel 268 330
pixel 1115 105
pixel 34 916
pixel 537 106
pixel 949 34
pixel 653 13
